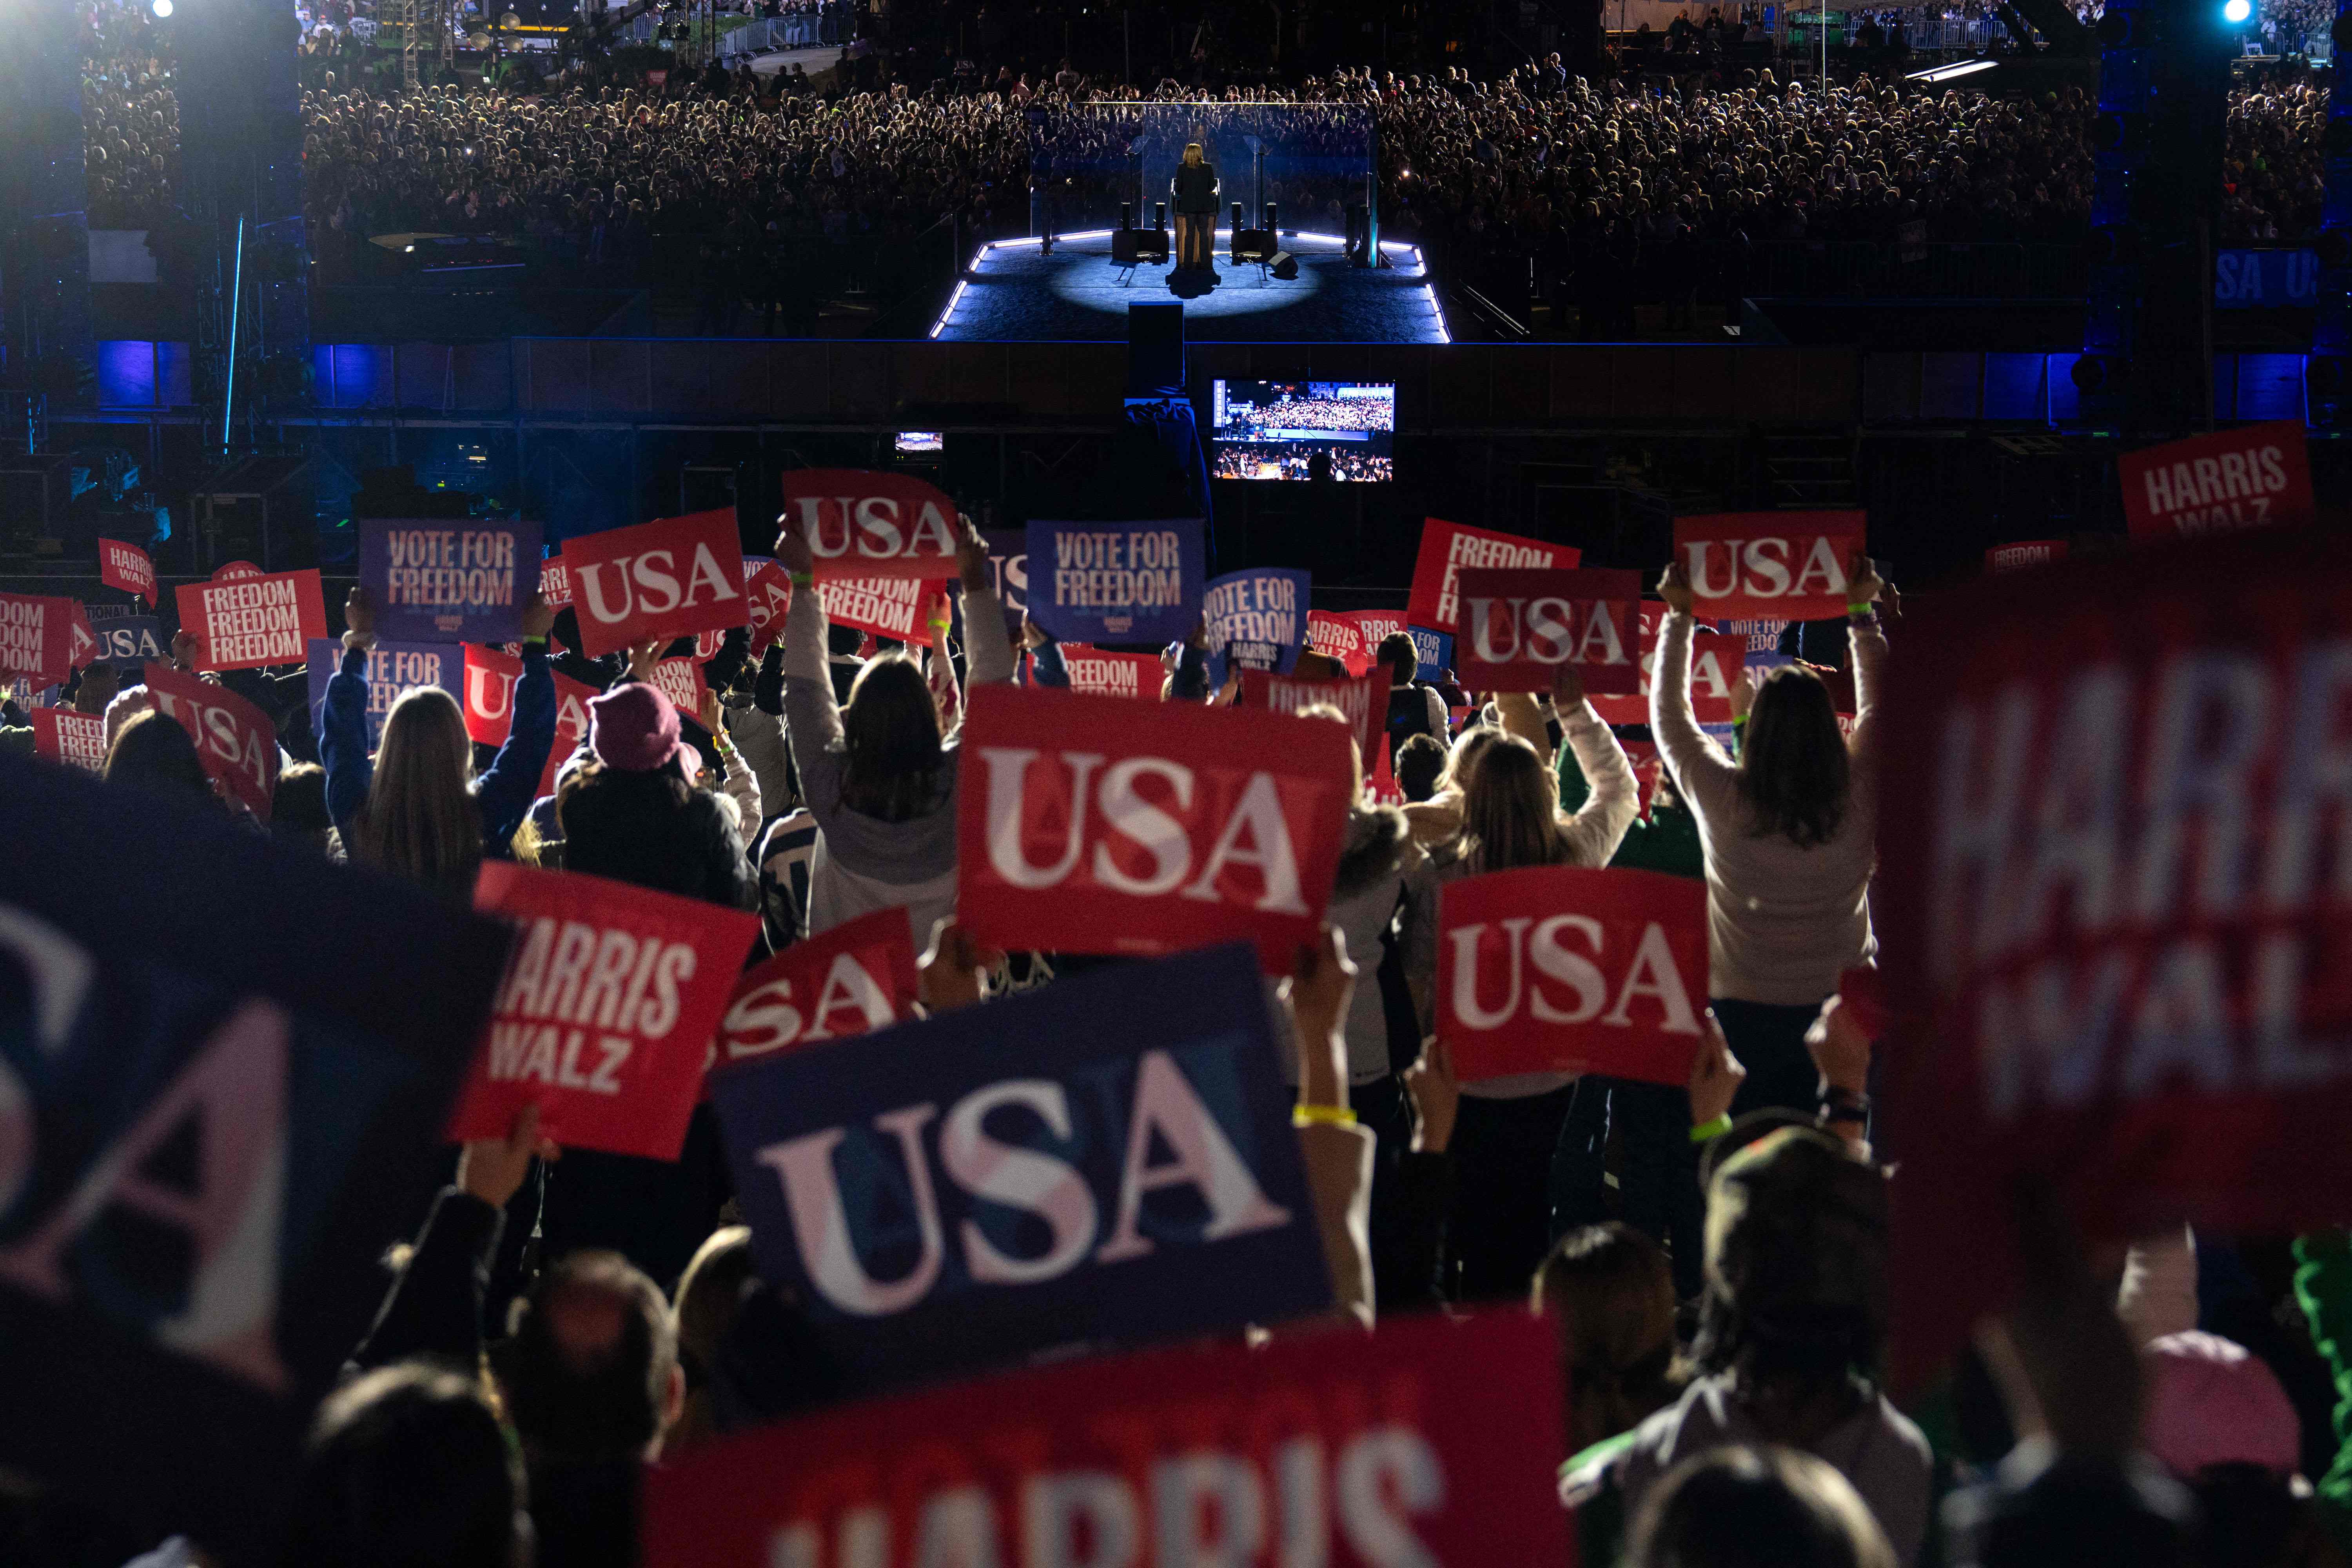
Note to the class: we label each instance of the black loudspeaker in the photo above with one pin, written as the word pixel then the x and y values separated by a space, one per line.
pixel 1160 214
pixel 1269 216
pixel 1129 246
pixel 1237 225
pixel 1253 244
pixel 1284 266
pixel 1126 214
pixel 1122 247
pixel 1155 348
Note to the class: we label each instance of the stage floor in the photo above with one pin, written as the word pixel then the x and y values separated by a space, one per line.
pixel 1012 293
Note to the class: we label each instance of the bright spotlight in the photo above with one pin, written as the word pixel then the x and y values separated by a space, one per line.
pixel 2232 11
pixel 160 7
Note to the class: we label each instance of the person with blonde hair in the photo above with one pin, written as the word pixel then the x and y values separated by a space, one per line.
pixel 1194 188
pixel 416 808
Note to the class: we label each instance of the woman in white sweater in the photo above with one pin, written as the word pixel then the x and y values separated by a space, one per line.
pixel 1789 832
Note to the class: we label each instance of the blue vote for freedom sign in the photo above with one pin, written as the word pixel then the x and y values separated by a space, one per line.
pixel 391 669
pixel 1098 583
pixel 449 580
pixel 1256 619
pixel 1109 1159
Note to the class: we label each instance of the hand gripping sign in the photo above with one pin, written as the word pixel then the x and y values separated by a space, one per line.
pixel 1566 969
pixel 604 1016
pixel 668 578
pixel 863 524
pixel 1099 827
pixel 1790 565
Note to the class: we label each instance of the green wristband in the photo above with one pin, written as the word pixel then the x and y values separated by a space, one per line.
pixel 1708 1132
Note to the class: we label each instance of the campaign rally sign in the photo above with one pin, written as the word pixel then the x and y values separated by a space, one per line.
pixel 245 622
pixel 1716 660
pixel 1376 626
pixel 448 580
pixel 1095 826
pixel 1256 619
pixel 222 1066
pixel 862 524
pixel 236 571
pixel 67 735
pixel 236 742
pixel 770 590
pixel 1337 637
pixel 2111 856
pixel 1364 700
pixel 681 681
pixel 1107 1159
pixel 1116 582
pixel 1570 969
pixel 127 641
pixel 1100 673
pixel 555 581
pixel 1449 549
pixel 391 669
pixel 1431 1441
pixel 2257 475
pixel 898 607
pixel 1760 636
pixel 2030 552
pixel 488 702
pixel 127 567
pixel 604 1014
pixel 668 578
pixel 1435 651
pixel 36 636
pixel 1008 567
pixel 1789 564
pixel 1517 628
pixel 851 979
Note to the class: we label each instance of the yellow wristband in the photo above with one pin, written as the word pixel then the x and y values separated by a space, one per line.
pixel 1321 1116
pixel 1707 1131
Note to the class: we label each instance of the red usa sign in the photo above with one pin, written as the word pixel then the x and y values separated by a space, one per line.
pixel 665 578
pixel 1791 565
pixel 851 979
pixel 1094 827
pixel 604 1016
pixel 1565 969
pixel 236 740
pixel 2258 476
pixel 38 634
pixel 490 677
pixel 861 524
pixel 1448 549
pixel 248 621
pixel 66 735
pixel 1365 701
pixel 2114 862
pixel 1519 628
pixel 127 567
pixel 1432 1441
pixel 1717 659
pixel 771 593
pixel 1097 673
pixel 2030 552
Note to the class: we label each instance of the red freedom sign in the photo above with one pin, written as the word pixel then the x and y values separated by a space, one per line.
pixel 37 633
pixel 771 593
pixel 861 524
pixel 66 735
pixel 490 677
pixel 1788 566
pixel 2258 476
pixel 605 1017
pixel 2113 858
pixel 1364 700
pixel 1716 660
pixel 665 578
pixel 2030 552
pixel 1519 628
pixel 851 979
pixel 1449 549
pixel 235 741
pixel 1431 1441
pixel 1095 826
pixel 245 622
pixel 127 567
pixel 1565 969
pixel 681 681
pixel 1097 673
pixel 899 607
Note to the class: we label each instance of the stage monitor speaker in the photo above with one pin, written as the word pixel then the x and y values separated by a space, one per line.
pixel 1122 247
pixel 1155 348
pixel 1125 215
pixel 1269 217
pixel 1237 225
pixel 1151 244
pixel 1284 265
pixel 1160 214
pixel 1253 244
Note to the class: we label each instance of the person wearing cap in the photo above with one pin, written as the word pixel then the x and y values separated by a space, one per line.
pixel 1791 1330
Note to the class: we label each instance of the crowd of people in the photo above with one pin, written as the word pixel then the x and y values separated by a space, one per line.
pixel 131 118
pixel 1713 1257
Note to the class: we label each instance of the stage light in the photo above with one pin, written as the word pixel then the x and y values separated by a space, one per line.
pixel 162 9
pixel 2237 11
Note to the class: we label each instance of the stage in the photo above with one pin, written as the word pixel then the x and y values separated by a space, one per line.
pixel 1013 293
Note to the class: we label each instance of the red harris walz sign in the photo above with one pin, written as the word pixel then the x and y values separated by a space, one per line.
pixel 1786 565
pixel 1095 826
pixel 862 524
pixel 2114 851
pixel 671 577
pixel 1517 628
pixel 2255 476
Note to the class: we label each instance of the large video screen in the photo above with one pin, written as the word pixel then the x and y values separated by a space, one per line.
pixel 1304 430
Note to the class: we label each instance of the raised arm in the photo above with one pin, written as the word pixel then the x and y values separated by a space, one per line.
pixel 1869 647
pixel 988 650
pixel 342 719
pixel 811 715
pixel 1704 776
pixel 507 786
pixel 1600 824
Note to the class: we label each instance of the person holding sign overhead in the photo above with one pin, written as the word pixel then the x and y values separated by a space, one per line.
pixel 1790 832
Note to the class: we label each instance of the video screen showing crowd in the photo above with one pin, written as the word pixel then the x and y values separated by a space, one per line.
pixel 1321 430
pixel 929 1046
